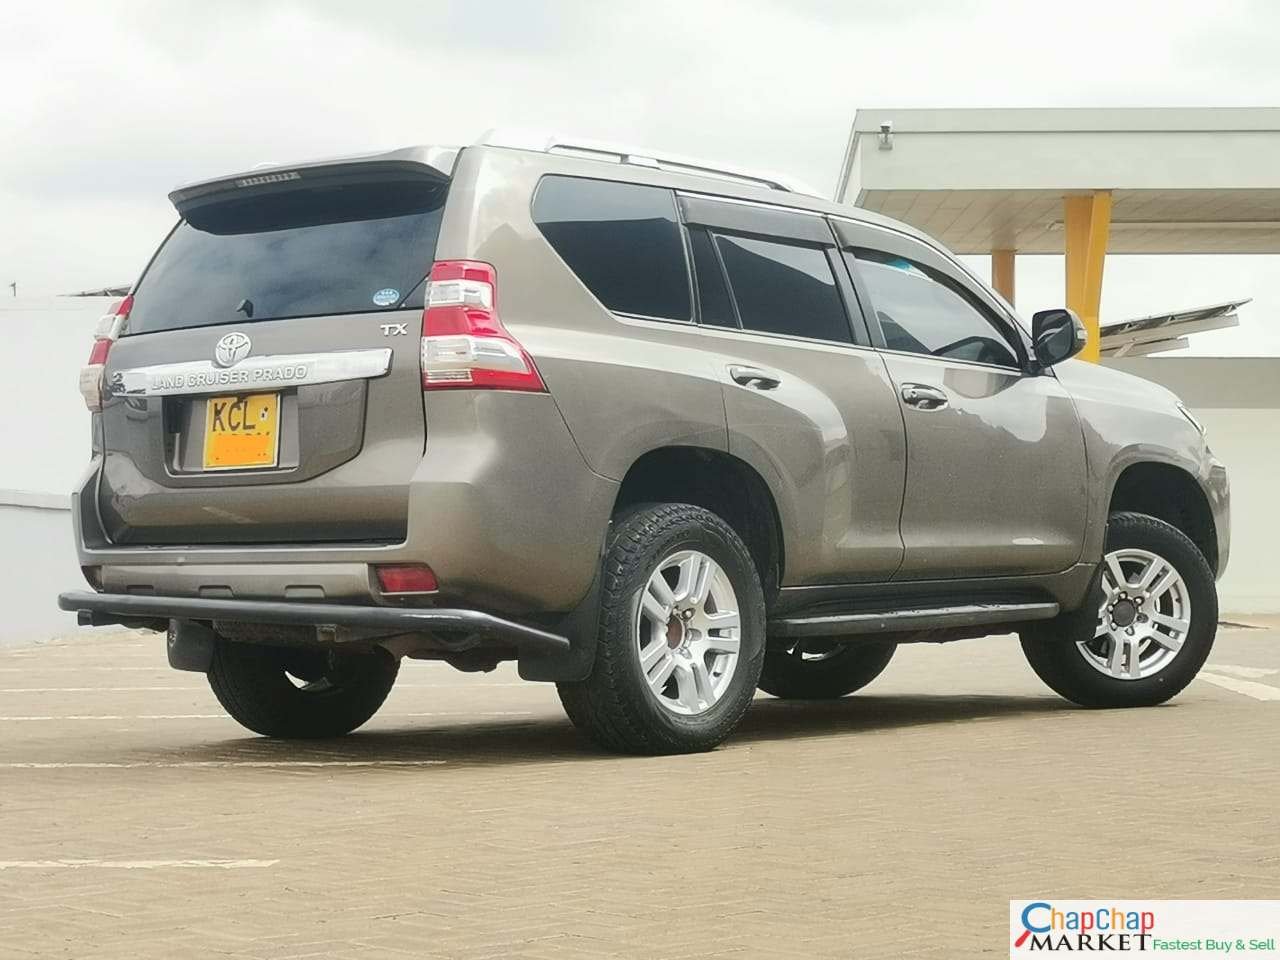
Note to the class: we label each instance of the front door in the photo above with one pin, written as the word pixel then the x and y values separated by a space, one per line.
pixel 996 470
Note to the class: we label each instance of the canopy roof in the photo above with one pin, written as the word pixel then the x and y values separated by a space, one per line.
pixel 1201 180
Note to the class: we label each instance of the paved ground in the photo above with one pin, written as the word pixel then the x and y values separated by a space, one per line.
pixel 468 820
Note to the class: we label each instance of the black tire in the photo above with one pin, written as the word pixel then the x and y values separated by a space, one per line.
pixel 614 706
pixel 843 669
pixel 340 689
pixel 1051 648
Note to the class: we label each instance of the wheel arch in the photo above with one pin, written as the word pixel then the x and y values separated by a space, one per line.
pixel 722 483
pixel 1169 493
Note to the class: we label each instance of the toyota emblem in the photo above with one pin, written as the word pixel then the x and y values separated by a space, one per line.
pixel 231 349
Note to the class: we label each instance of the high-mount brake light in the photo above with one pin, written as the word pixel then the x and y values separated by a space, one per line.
pixel 464 344
pixel 109 326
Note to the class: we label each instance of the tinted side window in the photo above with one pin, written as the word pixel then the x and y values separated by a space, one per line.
pixel 921 313
pixel 621 239
pixel 714 304
pixel 784 288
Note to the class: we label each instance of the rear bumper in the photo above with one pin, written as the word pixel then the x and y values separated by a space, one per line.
pixel 452 629
pixel 501 506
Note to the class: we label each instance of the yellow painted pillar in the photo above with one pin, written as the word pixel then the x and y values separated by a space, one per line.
pixel 1002 272
pixel 1087 222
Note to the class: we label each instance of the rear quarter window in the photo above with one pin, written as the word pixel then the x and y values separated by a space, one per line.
pixel 622 240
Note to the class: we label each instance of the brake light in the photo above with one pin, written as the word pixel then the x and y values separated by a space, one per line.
pixel 464 344
pixel 108 328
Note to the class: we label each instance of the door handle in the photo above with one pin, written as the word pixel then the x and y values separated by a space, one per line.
pixel 754 377
pixel 923 397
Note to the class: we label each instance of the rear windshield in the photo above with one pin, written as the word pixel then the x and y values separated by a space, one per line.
pixel 355 248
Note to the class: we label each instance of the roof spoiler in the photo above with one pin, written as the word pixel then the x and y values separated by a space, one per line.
pixel 433 163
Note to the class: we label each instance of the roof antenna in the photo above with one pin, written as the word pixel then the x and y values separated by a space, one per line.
pixel 245 307
pixel 14 287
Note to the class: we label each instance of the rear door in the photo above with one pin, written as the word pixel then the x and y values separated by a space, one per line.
pixel 996 471
pixel 808 402
pixel 267 387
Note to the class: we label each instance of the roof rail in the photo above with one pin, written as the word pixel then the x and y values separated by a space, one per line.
pixel 637 156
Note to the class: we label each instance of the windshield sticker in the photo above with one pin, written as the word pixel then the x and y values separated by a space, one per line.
pixel 386 296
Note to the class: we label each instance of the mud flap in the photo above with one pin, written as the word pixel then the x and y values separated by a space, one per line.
pixel 581 627
pixel 190 645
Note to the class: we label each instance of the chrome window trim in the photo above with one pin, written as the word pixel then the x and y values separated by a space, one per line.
pixel 739 332
pixel 203 377
pixel 1015 371
pixel 720 198
pixel 623 315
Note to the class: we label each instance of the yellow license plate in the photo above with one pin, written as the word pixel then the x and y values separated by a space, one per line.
pixel 242 431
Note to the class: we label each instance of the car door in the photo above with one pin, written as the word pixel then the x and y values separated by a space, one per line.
pixel 996 471
pixel 808 402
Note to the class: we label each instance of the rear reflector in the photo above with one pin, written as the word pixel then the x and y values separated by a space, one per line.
pixel 109 326
pixel 406 578
pixel 464 344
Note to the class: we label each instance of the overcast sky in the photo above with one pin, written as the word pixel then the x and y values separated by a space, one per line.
pixel 106 106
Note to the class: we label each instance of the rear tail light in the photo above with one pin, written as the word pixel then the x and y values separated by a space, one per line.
pixel 406 578
pixel 464 344
pixel 109 327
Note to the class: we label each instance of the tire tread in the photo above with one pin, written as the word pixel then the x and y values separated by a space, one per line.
pixel 248 680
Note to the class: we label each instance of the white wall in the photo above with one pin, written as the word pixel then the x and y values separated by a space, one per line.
pixel 1238 401
pixel 37 562
pixel 46 434
pixel 45 437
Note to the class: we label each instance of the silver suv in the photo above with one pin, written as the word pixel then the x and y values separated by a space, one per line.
pixel 661 433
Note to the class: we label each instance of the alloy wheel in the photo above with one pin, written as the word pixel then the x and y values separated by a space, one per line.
pixel 688 633
pixel 1144 617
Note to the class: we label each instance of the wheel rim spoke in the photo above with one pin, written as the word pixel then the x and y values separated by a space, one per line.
pixel 1135 658
pixel 658 599
pixel 1173 623
pixel 694 572
pixel 653 654
pixel 1118 578
pixel 724 621
pixel 1166 583
pixel 660 673
pixel 1115 663
pixel 702 681
pixel 1173 644
pixel 687 688
pixel 1149 573
pixel 653 609
pixel 720 644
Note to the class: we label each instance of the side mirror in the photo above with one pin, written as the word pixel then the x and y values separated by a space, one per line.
pixel 1057 335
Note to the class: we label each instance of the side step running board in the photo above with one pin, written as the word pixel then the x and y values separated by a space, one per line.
pixel 920 618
